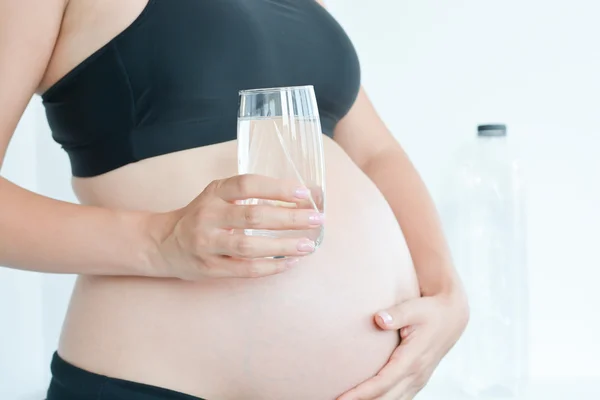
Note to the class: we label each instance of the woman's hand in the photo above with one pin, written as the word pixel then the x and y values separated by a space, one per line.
pixel 203 240
pixel 429 327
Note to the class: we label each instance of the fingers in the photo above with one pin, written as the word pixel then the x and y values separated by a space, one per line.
pixel 251 186
pixel 403 391
pixel 406 331
pixel 242 246
pixel 408 388
pixel 390 376
pixel 257 268
pixel 410 312
pixel 399 377
pixel 268 217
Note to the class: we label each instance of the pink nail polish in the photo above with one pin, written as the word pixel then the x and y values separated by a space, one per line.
pixel 302 193
pixel 385 317
pixel 316 219
pixel 306 246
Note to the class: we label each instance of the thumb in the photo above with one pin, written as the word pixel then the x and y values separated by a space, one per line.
pixel 401 315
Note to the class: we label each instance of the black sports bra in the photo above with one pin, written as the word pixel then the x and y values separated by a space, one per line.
pixel 170 80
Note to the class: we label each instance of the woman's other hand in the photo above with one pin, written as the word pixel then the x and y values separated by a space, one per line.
pixel 205 239
pixel 429 327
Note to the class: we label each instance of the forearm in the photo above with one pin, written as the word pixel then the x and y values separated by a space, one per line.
pixel 397 179
pixel 41 234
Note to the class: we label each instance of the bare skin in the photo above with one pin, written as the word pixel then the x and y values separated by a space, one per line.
pixel 185 317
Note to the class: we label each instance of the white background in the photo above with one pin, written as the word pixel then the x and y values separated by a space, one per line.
pixel 434 70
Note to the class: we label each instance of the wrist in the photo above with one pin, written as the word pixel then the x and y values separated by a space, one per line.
pixel 452 292
pixel 459 302
pixel 440 281
pixel 157 229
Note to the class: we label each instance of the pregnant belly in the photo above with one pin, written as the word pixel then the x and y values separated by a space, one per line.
pixel 304 334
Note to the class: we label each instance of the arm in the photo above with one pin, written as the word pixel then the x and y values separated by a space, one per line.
pixel 38 233
pixel 363 135
pixel 429 325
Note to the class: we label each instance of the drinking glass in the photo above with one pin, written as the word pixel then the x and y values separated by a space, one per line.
pixel 279 135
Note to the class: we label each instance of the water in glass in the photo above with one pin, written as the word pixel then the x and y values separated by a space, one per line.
pixel 279 135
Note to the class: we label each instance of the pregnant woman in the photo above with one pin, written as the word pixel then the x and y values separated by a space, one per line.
pixel 142 95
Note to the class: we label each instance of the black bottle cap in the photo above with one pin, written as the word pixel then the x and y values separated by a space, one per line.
pixel 491 130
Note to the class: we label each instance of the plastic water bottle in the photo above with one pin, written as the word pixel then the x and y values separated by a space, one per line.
pixel 483 212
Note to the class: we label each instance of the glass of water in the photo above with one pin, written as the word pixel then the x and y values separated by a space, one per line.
pixel 279 135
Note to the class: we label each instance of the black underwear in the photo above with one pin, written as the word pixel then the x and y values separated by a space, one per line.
pixel 72 383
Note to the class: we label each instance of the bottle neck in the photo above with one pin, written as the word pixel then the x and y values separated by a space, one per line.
pixel 492 140
pixel 492 147
pixel 491 137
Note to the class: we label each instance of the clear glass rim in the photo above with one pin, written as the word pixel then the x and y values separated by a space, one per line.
pixel 274 89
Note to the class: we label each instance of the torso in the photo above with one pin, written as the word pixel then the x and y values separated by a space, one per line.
pixel 304 334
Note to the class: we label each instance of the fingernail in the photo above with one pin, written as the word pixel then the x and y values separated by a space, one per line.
pixel 302 193
pixel 385 318
pixel 306 246
pixel 316 218
pixel 292 261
